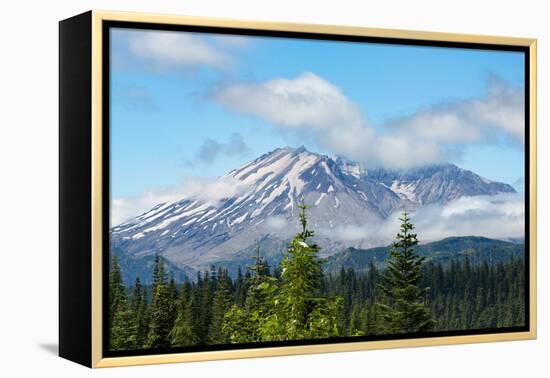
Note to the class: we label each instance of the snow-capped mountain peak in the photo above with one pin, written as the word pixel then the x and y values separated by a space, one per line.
pixel 191 232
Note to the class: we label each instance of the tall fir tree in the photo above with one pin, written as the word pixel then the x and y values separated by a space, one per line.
pixel 138 306
pixel 162 308
pixel 242 323
pixel 121 327
pixel 220 305
pixel 255 297
pixel 301 274
pixel 405 310
pixel 142 319
pixel 298 310
pixel 182 332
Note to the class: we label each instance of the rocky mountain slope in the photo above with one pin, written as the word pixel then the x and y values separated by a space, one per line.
pixel 193 233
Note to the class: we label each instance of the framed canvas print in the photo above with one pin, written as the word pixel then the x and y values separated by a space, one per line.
pixel 235 189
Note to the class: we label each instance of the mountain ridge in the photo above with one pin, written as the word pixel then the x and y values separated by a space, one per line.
pixel 477 249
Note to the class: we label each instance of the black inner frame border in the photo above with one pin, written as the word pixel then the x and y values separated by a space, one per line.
pixel 106 175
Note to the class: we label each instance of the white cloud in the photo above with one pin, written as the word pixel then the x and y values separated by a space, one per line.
pixel 167 50
pixel 126 208
pixel 309 104
pixel 501 110
pixel 206 190
pixel 277 223
pixel 500 216
pixel 213 191
pixel 313 107
pixel 306 100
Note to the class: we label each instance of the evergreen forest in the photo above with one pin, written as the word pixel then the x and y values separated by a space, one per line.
pixel 298 300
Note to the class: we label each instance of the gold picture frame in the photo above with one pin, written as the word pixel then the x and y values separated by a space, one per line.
pixel 91 26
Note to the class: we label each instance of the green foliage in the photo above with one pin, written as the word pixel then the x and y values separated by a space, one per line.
pixel 245 323
pixel 182 333
pixel 140 311
pixel 162 308
pixel 405 310
pixel 296 300
pixel 463 296
pixel 220 305
pixel 288 308
pixel 121 325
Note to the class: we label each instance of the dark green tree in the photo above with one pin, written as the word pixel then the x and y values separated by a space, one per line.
pixel 220 305
pixel 182 332
pixel 242 323
pixel 162 308
pixel 405 310
pixel 121 327
pixel 139 310
pixel 255 297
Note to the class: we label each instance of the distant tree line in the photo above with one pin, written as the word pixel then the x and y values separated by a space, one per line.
pixel 297 300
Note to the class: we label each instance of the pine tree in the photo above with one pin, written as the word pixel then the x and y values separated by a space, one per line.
pixel 173 296
pixel 243 323
pixel 121 332
pixel 137 296
pixel 162 307
pixel 196 307
pixel 301 274
pixel 220 305
pixel 405 310
pixel 373 322
pixel 159 273
pixel 239 295
pixel 142 319
pixel 139 310
pixel 356 323
pixel 298 311
pixel 255 297
pixel 204 316
pixel 182 332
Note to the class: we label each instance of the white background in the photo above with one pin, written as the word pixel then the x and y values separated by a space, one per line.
pixel 29 188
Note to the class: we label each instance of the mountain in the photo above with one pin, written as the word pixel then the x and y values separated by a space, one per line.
pixel 142 267
pixel 437 183
pixel 193 233
pixel 476 249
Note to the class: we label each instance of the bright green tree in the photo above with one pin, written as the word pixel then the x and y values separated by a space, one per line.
pixel 405 310
pixel 298 310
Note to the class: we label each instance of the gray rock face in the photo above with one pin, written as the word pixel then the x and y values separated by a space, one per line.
pixel 194 233
pixel 437 183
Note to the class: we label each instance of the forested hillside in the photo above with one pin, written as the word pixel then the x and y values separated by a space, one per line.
pixel 297 300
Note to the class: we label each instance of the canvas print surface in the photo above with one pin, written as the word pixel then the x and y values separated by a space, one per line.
pixel 285 190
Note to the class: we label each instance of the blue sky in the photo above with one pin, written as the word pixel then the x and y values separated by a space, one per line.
pixel 189 105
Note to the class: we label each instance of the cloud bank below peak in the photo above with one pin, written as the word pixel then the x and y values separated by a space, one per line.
pixel 312 107
pixel 500 216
